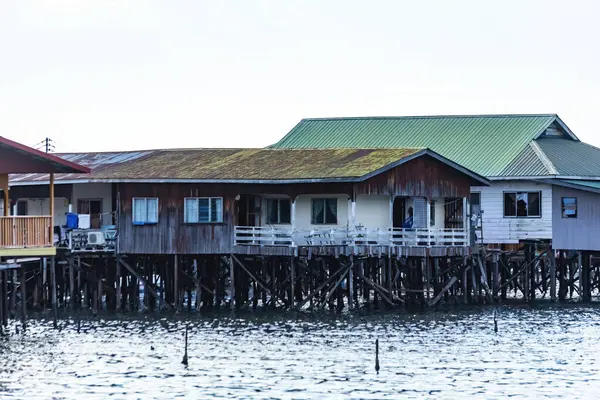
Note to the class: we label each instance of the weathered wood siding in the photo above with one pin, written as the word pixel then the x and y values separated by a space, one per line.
pixel 421 177
pixel 500 230
pixel 581 233
pixel 172 236
pixel 424 176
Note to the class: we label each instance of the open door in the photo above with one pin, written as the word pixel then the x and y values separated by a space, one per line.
pixel 399 211
pixel 249 210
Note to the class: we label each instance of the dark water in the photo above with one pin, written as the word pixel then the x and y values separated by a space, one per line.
pixel 538 353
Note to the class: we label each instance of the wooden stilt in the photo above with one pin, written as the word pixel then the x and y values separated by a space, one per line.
pixel 23 297
pixel 118 286
pixel 54 300
pixel 176 283
pixel 232 283
pixel 292 281
pixel 351 283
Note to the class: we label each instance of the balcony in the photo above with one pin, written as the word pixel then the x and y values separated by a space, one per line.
pixel 392 237
pixel 26 236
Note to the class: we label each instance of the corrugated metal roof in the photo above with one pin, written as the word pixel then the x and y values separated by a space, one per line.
pixel 584 183
pixel 527 163
pixel 571 158
pixel 256 164
pixel 94 161
pixel 486 144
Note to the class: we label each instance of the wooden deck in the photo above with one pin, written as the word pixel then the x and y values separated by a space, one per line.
pixel 26 236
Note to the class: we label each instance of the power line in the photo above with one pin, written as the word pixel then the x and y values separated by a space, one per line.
pixel 46 145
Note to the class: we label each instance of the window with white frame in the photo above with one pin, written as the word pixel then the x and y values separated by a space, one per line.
pixel 324 211
pixel 145 210
pixel 279 211
pixel 432 213
pixel 203 210
pixel 523 204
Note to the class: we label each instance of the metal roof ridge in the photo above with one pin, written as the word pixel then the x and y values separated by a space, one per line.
pixel 441 116
pixel 543 158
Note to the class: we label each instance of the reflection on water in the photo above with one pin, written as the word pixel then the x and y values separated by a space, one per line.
pixel 537 353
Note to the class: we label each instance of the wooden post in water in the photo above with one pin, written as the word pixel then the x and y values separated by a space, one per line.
pixel 292 281
pixel 350 283
pixel 176 282
pixel 23 297
pixel 579 274
pixel 118 283
pixel 71 283
pixel 53 282
pixel 552 275
pixel 232 283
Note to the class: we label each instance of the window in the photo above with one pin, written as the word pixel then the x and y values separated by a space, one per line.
pixel 145 210
pixel 324 211
pixel 475 201
pixel 203 210
pixel 22 207
pixel 432 213
pixel 279 211
pixel 475 205
pixel 569 207
pixel 522 204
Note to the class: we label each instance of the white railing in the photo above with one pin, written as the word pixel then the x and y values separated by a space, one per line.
pixel 288 237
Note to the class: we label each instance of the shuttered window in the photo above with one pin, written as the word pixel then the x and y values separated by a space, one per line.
pixel 420 212
pixel 145 210
pixel 203 210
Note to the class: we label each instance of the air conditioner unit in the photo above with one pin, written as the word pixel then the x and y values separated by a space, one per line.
pixel 96 238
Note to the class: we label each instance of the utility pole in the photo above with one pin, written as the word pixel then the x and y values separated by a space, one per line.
pixel 48 145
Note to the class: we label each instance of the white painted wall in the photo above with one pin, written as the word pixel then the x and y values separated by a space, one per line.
pixel 304 210
pixel 373 211
pixel 500 230
pixel 41 206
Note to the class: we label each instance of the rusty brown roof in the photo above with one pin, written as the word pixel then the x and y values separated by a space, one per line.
pixel 95 161
pixel 243 165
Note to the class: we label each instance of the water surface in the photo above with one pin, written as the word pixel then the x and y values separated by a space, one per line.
pixel 548 352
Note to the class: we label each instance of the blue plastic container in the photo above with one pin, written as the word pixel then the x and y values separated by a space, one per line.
pixel 72 221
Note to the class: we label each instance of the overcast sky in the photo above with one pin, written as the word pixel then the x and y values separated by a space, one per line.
pixel 122 74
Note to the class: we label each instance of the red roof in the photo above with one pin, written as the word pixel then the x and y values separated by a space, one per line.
pixel 18 158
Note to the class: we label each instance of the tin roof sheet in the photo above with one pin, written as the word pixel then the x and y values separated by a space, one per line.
pixel 486 144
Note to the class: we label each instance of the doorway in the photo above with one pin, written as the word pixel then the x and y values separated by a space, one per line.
pixel 93 207
pixel 399 211
pixel 249 210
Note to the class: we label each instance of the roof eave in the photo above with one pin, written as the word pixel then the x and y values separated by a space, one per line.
pixel 559 182
pixel 50 158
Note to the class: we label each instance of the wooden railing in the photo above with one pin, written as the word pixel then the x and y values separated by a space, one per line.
pixel 25 231
pixel 288 237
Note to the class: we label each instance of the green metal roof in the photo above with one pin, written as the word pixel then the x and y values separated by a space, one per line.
pixel 527 163
pixel 485 144
pixel 590 184
pixel 571 158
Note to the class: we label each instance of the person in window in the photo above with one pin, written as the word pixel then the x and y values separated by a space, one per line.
pixel 408 222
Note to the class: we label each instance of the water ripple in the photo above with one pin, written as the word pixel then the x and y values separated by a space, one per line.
pixel 546 352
